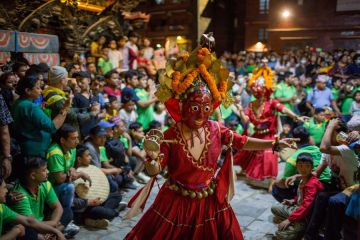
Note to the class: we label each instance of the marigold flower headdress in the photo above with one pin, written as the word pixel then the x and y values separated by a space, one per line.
pixel 262 77
pixel 182 74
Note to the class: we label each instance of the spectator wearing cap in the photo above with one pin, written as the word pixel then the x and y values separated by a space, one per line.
pixel 33 128
pixel 128 113
pixel 316 126
pixel 321 96
pixel 99 158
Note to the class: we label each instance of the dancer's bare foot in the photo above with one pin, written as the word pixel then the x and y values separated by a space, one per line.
pixel 271 183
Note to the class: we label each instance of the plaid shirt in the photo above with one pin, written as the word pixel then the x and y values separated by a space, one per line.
pixel 5 116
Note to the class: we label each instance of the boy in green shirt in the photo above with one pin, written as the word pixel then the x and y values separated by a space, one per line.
pixel 280 190
pixel 104 63
pixel 37 192
pixel 316 125
pixel 7 215
pixel 145 107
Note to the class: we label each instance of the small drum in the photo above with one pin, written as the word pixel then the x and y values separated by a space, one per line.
pixel 153 139
pixel 100 187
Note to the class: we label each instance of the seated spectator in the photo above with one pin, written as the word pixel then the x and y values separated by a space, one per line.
pixel 5 146
pixel 343 164
pixel 99 158
pixel 127 112
pixel 61 158
pixel 138 153
pixel 119 131
pixel 293 212
pixel 18 231
pixel 33 128
pixel 38 194
pixel 131 79
pixel 112 109
pixel 96 87
pixel 112 87
pixel 316 126
pixel 321 96
pixel 91 211
pixel 286 133
pixel 281 189
pixel 91 70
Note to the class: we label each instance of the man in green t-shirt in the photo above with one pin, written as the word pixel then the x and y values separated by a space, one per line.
pixel 9 216
pixel 37 192
pixel 280 191
pixel 316 126
pixel 285 93
pixel 61 158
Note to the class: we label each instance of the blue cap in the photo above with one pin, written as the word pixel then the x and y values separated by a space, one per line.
pixel 98 131
pixel 128 94
pixel 354 145
pixel 106 124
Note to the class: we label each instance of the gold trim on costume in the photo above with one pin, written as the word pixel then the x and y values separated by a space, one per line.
pixel 196 163
pixel 187 225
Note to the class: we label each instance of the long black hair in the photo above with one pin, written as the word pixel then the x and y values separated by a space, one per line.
pixel 28 82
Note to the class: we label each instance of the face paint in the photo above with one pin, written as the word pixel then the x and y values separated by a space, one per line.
pixel 257 90
pixel 196 110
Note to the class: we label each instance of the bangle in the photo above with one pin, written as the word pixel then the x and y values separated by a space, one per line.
pixel 275 144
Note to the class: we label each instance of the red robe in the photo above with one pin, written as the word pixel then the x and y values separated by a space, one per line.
pixel 173 216
pixel 261 164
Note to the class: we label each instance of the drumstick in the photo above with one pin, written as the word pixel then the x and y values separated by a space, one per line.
pixel 169 141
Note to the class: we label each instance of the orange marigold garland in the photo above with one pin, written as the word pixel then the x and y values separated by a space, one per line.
pixel 210 82
pixel 201 54
pixel 223 88
pixel 175 80
pixel 187 81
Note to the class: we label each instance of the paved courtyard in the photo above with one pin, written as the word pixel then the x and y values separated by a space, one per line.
pixel 251 206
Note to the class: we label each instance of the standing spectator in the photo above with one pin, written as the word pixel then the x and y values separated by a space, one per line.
pixel 7 89
pixel 97 46
pixel 19 68
pixel 148 50
pixel 125 53
pixel 5 154
pixel 321 96
pixel 104 64
pixel 133 50
pixel 33 128
pixel 286 94
pixel 115 55
pixel 316 126
pixel 147 98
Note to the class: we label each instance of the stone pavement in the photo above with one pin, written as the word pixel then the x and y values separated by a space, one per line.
pixel 251 206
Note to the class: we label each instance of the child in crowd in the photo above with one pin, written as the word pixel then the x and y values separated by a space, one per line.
pixel 316 126
pixel 115 55
pixel 91 211
pixel 128 113
pixel 112 108
pixel 293 212
pixel 138 153
pixel 147 98
pixel 112 84
pixel 104 63
pixel 159 113
pixel 286 133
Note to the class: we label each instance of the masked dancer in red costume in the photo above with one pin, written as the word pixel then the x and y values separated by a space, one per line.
pixel 262 164
pixel 193 203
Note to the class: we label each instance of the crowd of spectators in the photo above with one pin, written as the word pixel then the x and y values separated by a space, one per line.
pixel 95 109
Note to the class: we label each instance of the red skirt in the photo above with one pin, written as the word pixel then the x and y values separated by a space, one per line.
pixel 173 216
pixel 258 165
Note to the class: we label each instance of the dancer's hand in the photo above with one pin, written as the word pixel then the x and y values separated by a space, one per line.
pixel 288 143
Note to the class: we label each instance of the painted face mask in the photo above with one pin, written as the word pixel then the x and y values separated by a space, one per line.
pixel 257 90
pixel 196 110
